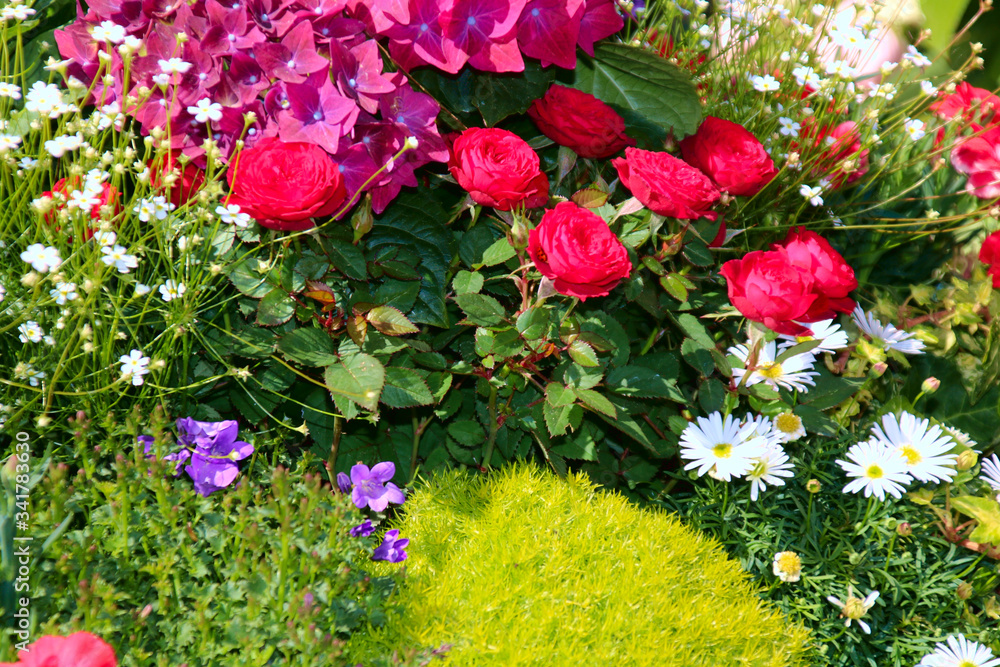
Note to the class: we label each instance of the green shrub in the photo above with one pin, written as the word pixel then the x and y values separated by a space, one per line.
pixel 523 568
pixel 262 573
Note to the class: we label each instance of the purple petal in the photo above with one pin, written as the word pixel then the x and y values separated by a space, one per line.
pixel 393 494
pixel 360 473
pixel 384 471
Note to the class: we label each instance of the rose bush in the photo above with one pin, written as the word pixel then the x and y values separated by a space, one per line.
pixel 284 185
pixel 576 250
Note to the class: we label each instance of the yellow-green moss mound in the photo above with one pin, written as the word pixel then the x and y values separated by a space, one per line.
pixel 523 568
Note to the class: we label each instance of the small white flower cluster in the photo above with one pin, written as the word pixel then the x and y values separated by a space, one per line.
pixel 16 11
pixel 900 450
pixel 46 99
pixel 90 196
pixel 726 448
pixel 155 208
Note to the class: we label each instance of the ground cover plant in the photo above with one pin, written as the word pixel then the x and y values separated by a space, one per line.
pixel 734 261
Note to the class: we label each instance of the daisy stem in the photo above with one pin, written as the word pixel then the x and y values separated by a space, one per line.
pixel 888 554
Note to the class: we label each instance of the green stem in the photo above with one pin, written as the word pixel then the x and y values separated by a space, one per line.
pixel 331 461
pixel 419 426
pixel 488 451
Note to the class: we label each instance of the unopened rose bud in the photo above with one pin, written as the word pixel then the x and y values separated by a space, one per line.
pixel 904 529
pixel 991 608
pixel 930 385
pixel 964 591
pixel 813 486
pixel 879 369
pixel 967 460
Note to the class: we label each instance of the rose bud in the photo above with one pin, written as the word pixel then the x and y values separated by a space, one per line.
pixel 579 121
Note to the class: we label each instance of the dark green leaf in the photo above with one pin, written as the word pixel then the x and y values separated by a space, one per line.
pixel 275 308
pixel 390 321
pixel 405 388
pixel 308 346
pixel 481 309
pixel 358 377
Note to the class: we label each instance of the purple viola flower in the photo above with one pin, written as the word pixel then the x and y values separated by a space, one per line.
pixel 214 452
pixel 373 489
pixel 343 482
pixel 391 548
pixel 364 530
pixel 294 58
pixel 317 113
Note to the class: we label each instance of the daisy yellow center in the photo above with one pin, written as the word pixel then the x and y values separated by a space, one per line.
pixel 874 471
pixel 967 663
pixel 854 608
pixel 789 562
pixel 787 422
pixel 723 450
pixel 759 469
pixel 803 339
pixel 770 370
pixel 910 453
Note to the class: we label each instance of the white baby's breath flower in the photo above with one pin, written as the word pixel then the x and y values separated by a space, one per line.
pixel 118 257
pixel 63 144
pixel 64 292
pixel 171 290
pixel 765 84
pixel 928 88
pixel 42 259
pixel 142 290
pixel 30 332
pixel 157 208
pixel 812 193
pixel 45 99
pixel 914 129
pixel 105 238
pixel 134 366
pixel 915 57
pixel 789 128
pixel 231 215
pixel 10 90
pixel 205 110
pixel 9 142
pixel 108 31
pixel 173 66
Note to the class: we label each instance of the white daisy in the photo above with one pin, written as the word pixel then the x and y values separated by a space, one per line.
pixel 795 372
pixel 41 258
pixel 961 437
pixel 64 292
pixel 30 332
pixel 959 652
pixel 787 566
pixel 769 468
pixel 830 336
pixel 723 447
pixel 876 469
pixel 134 366
pixel 171 290
pixel 118 257
pixel 886 335
pixel 923 447
pixel 854 608
pixel 788 427
pixel 991 472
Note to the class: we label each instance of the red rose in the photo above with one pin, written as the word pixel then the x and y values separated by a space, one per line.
pixel 498 168
pixel 990 254
pixel 575 249
pixel 667 185
pixel 833 278
pixel 767 288
pixel 579 121
pixel 78 650
pixel 189 178
pixel 109 195
pixel 979 157
pixel 801 279
pixel 284 185
pixel 730 155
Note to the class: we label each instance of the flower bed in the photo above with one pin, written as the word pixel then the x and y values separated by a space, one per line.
pixel 738 264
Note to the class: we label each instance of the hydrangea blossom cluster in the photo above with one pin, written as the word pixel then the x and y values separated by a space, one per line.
pixel 210 450
pixel 299 70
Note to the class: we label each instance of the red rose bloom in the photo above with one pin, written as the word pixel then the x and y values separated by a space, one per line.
pixel 767 288
pixel 990 254
pixel 284 185
pixel 667 185
pixel 833 278
pixel 575 249
pixel 579 121
pixel 80 649
pixel 730 155
pixel 979 157
pixel 801 279
pixel 109 195
pixel 189 178
pixel 498 168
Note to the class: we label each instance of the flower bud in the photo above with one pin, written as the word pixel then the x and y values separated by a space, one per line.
pixel 904 529
pixel 964 591
pixel 967 459
pixel 813 486
pixel 930 385
pixel 879 369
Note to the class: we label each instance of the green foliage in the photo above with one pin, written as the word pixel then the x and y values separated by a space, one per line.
pixel 265 573
pixel 523 568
